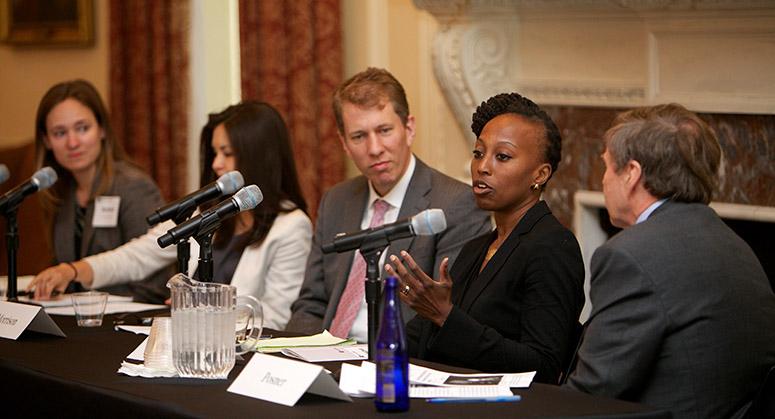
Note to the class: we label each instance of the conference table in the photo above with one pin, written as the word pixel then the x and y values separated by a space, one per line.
pixel 44 375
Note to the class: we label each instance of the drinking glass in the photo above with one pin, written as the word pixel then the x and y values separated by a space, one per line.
pixel 89 307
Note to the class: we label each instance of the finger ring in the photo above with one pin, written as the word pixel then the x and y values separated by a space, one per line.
pixel 406 289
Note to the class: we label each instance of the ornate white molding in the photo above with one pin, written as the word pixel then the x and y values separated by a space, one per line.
pixel 460 8
pixel 606 52
pixel 470 63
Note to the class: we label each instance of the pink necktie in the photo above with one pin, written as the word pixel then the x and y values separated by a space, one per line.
pixel 352 297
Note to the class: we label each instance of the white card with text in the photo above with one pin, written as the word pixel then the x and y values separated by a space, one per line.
pixel 15 318
pixel 106 211
pixel 284 381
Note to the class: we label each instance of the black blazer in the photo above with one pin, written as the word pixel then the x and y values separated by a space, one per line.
pixel 341 210
pixel 521 312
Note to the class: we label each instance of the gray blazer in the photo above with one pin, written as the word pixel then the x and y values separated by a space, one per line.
pixel 682 316
pixel 341 210
pixel 139 197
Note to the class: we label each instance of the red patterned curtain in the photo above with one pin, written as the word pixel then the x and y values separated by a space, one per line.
pixel 149 86
pixel 291 56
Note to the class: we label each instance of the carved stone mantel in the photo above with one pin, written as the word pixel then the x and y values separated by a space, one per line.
pixel 710 55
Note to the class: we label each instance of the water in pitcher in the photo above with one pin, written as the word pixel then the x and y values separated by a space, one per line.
pixel 204 345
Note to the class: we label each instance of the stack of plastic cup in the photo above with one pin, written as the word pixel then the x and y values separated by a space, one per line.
pixel 158 350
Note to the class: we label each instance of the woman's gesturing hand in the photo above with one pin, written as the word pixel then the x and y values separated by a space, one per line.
pixel 430 298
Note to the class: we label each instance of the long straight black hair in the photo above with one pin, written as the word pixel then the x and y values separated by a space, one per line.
pixel 262 149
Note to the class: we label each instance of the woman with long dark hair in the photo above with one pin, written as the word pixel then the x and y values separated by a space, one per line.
pixel 263 251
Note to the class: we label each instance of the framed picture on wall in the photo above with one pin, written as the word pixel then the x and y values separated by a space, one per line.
pixel 47 22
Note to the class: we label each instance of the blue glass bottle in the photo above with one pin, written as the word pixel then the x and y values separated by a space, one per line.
pixel 392 356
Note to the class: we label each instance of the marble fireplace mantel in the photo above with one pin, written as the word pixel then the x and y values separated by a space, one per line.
pixel 710 55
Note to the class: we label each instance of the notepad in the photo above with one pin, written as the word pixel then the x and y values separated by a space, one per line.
pixel 321 339
pixel 329 353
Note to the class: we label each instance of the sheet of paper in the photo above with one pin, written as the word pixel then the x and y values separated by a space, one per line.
pixel 361 382
pixel 329 353
pixel 350 381
pixel 110 308
pixel 139 353
pixel 283 381
pixel 465 392
pixel 321 339
pixel 64 300
pixel 429 376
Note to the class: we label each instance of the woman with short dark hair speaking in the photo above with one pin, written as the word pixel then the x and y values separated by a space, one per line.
pixel 511 301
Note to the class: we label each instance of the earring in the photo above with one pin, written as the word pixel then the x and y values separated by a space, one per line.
pixel 535 187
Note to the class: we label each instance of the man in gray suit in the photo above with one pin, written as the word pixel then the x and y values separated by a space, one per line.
pixel 376 131
pixel 682 311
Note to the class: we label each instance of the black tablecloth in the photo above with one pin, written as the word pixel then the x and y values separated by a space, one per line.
pixel 43 375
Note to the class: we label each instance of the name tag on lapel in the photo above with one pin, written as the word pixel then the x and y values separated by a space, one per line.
pixel 106 211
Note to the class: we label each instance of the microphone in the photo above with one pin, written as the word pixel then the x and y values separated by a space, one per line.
pixel 183 207
pixel 246 198
pixel 426 223
pixel 4 173
pixel 42 179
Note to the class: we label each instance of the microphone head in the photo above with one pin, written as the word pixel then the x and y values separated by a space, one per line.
pixel 429 222
pixel 44 178
pixel 4 173
pixel 248 197
pixel 228 183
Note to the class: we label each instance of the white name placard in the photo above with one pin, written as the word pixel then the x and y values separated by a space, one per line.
pixel 284 381
pixel 15 318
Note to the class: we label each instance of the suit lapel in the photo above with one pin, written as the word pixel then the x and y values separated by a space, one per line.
pixel 64 229
pixel 352 214
pixel 415 200
pixel 503 255
pixel 88 230
pixel 467 265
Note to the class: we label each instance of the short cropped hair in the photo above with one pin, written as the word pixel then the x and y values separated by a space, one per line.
pixel 515 103
pixel 370 89
pixel 678 152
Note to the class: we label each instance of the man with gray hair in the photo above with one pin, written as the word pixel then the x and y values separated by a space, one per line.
pixel 682 310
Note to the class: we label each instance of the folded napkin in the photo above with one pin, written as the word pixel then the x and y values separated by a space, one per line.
pixel 140 370
pixel 321 339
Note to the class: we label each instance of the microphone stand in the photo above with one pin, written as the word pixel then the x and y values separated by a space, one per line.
pixel 372 252
pixel 184 254
pixel 204 236
pixel 183 246
pixel 12 244
pixel 205 256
